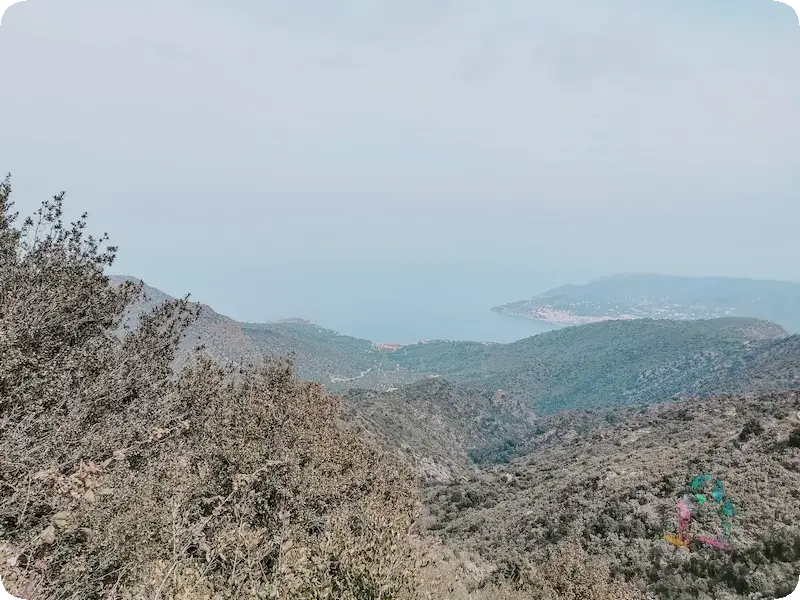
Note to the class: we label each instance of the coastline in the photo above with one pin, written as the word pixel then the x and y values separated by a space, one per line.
pixel 554 316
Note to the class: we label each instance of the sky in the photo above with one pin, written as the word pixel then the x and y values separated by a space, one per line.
pixel 224 144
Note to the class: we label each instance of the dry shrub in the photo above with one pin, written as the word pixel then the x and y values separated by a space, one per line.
pixel 569 573
pixel 122 479
pixel 566 572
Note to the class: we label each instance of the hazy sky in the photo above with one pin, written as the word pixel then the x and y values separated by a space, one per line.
pixel 605 136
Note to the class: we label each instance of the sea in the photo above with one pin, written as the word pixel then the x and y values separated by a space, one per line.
pixel 393 303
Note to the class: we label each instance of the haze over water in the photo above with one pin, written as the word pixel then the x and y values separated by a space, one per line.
pixel 617 136
pixel 383 302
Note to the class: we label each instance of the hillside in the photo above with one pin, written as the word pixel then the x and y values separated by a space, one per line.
pixel 221 336
pixel 337 361
pixel 449 407
pixel 491 399
pixel 128 474
pixel 663 297
pixel 612 481
pixel 128 471
pixel 617 362
pixel 443 430
pixel 495 405
pixel 598 364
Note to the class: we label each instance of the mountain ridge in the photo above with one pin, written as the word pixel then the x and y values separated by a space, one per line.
pixel 450 407
pixel 611 481
pixel 650 295
pixel 590 365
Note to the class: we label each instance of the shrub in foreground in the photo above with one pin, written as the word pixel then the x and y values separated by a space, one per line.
pixel 122 479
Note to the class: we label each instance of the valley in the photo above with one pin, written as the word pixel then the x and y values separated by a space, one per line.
pixel 612 480
pixel 546 468
pixel 599 364
pixel 454 407
pixel 400 300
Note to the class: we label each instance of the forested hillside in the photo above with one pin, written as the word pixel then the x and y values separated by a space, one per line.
pixel 618 362
pixel 612 480
pixel 129 473
pixel 600 364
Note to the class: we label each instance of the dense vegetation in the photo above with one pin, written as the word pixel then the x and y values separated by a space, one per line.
pixel 601 364
pixel 338 361
pixel 451 428
pixel 440 428
pixel 612 481
pixel 618 362
pixel 134 467
pixel 123 476
pixel 123 479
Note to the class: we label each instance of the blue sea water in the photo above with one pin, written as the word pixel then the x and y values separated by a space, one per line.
pixel 388 303
pixel 404 321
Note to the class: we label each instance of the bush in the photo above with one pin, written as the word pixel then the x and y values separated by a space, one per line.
pixel 751 429
pixel 123 479
pixel 567 572
pixel 794 438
